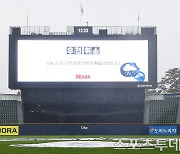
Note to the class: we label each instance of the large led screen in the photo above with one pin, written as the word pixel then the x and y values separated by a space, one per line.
pixel 82 61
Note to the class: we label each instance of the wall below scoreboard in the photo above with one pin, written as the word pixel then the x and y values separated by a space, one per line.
pixel 83 105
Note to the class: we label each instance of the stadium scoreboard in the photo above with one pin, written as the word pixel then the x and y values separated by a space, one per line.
pixel 82 60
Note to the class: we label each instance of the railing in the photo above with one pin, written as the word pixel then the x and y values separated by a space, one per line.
pixel 35 30
pixel 114 30
pixel 40 30
pixel 117 30
pixel 111 30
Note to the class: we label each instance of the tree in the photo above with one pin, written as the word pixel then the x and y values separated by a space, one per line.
pixel 170 83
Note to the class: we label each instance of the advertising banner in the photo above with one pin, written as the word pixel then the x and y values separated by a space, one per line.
pixel 9 130
pixel 162 130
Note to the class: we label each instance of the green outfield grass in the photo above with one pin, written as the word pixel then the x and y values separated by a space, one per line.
pixel 6 149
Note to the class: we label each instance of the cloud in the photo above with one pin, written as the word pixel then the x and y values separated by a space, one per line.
pixel 128 67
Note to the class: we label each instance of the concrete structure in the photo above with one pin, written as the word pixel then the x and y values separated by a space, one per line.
pixel 162 109
pixel 11 111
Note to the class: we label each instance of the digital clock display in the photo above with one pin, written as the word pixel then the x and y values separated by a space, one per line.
pixel 82 30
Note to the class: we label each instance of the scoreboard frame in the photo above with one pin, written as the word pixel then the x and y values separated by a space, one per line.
pixel 13 64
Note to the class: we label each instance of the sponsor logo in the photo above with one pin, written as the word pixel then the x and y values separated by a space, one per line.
pixel 9 130
pixel 144 86
pixel 84 127
pixel 81 76
pixel 162 130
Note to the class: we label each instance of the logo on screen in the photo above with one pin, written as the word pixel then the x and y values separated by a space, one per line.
pixel 131 70
pixel 78 50
pixel 82 76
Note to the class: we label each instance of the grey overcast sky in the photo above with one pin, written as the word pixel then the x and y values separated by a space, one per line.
pixel 164 14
